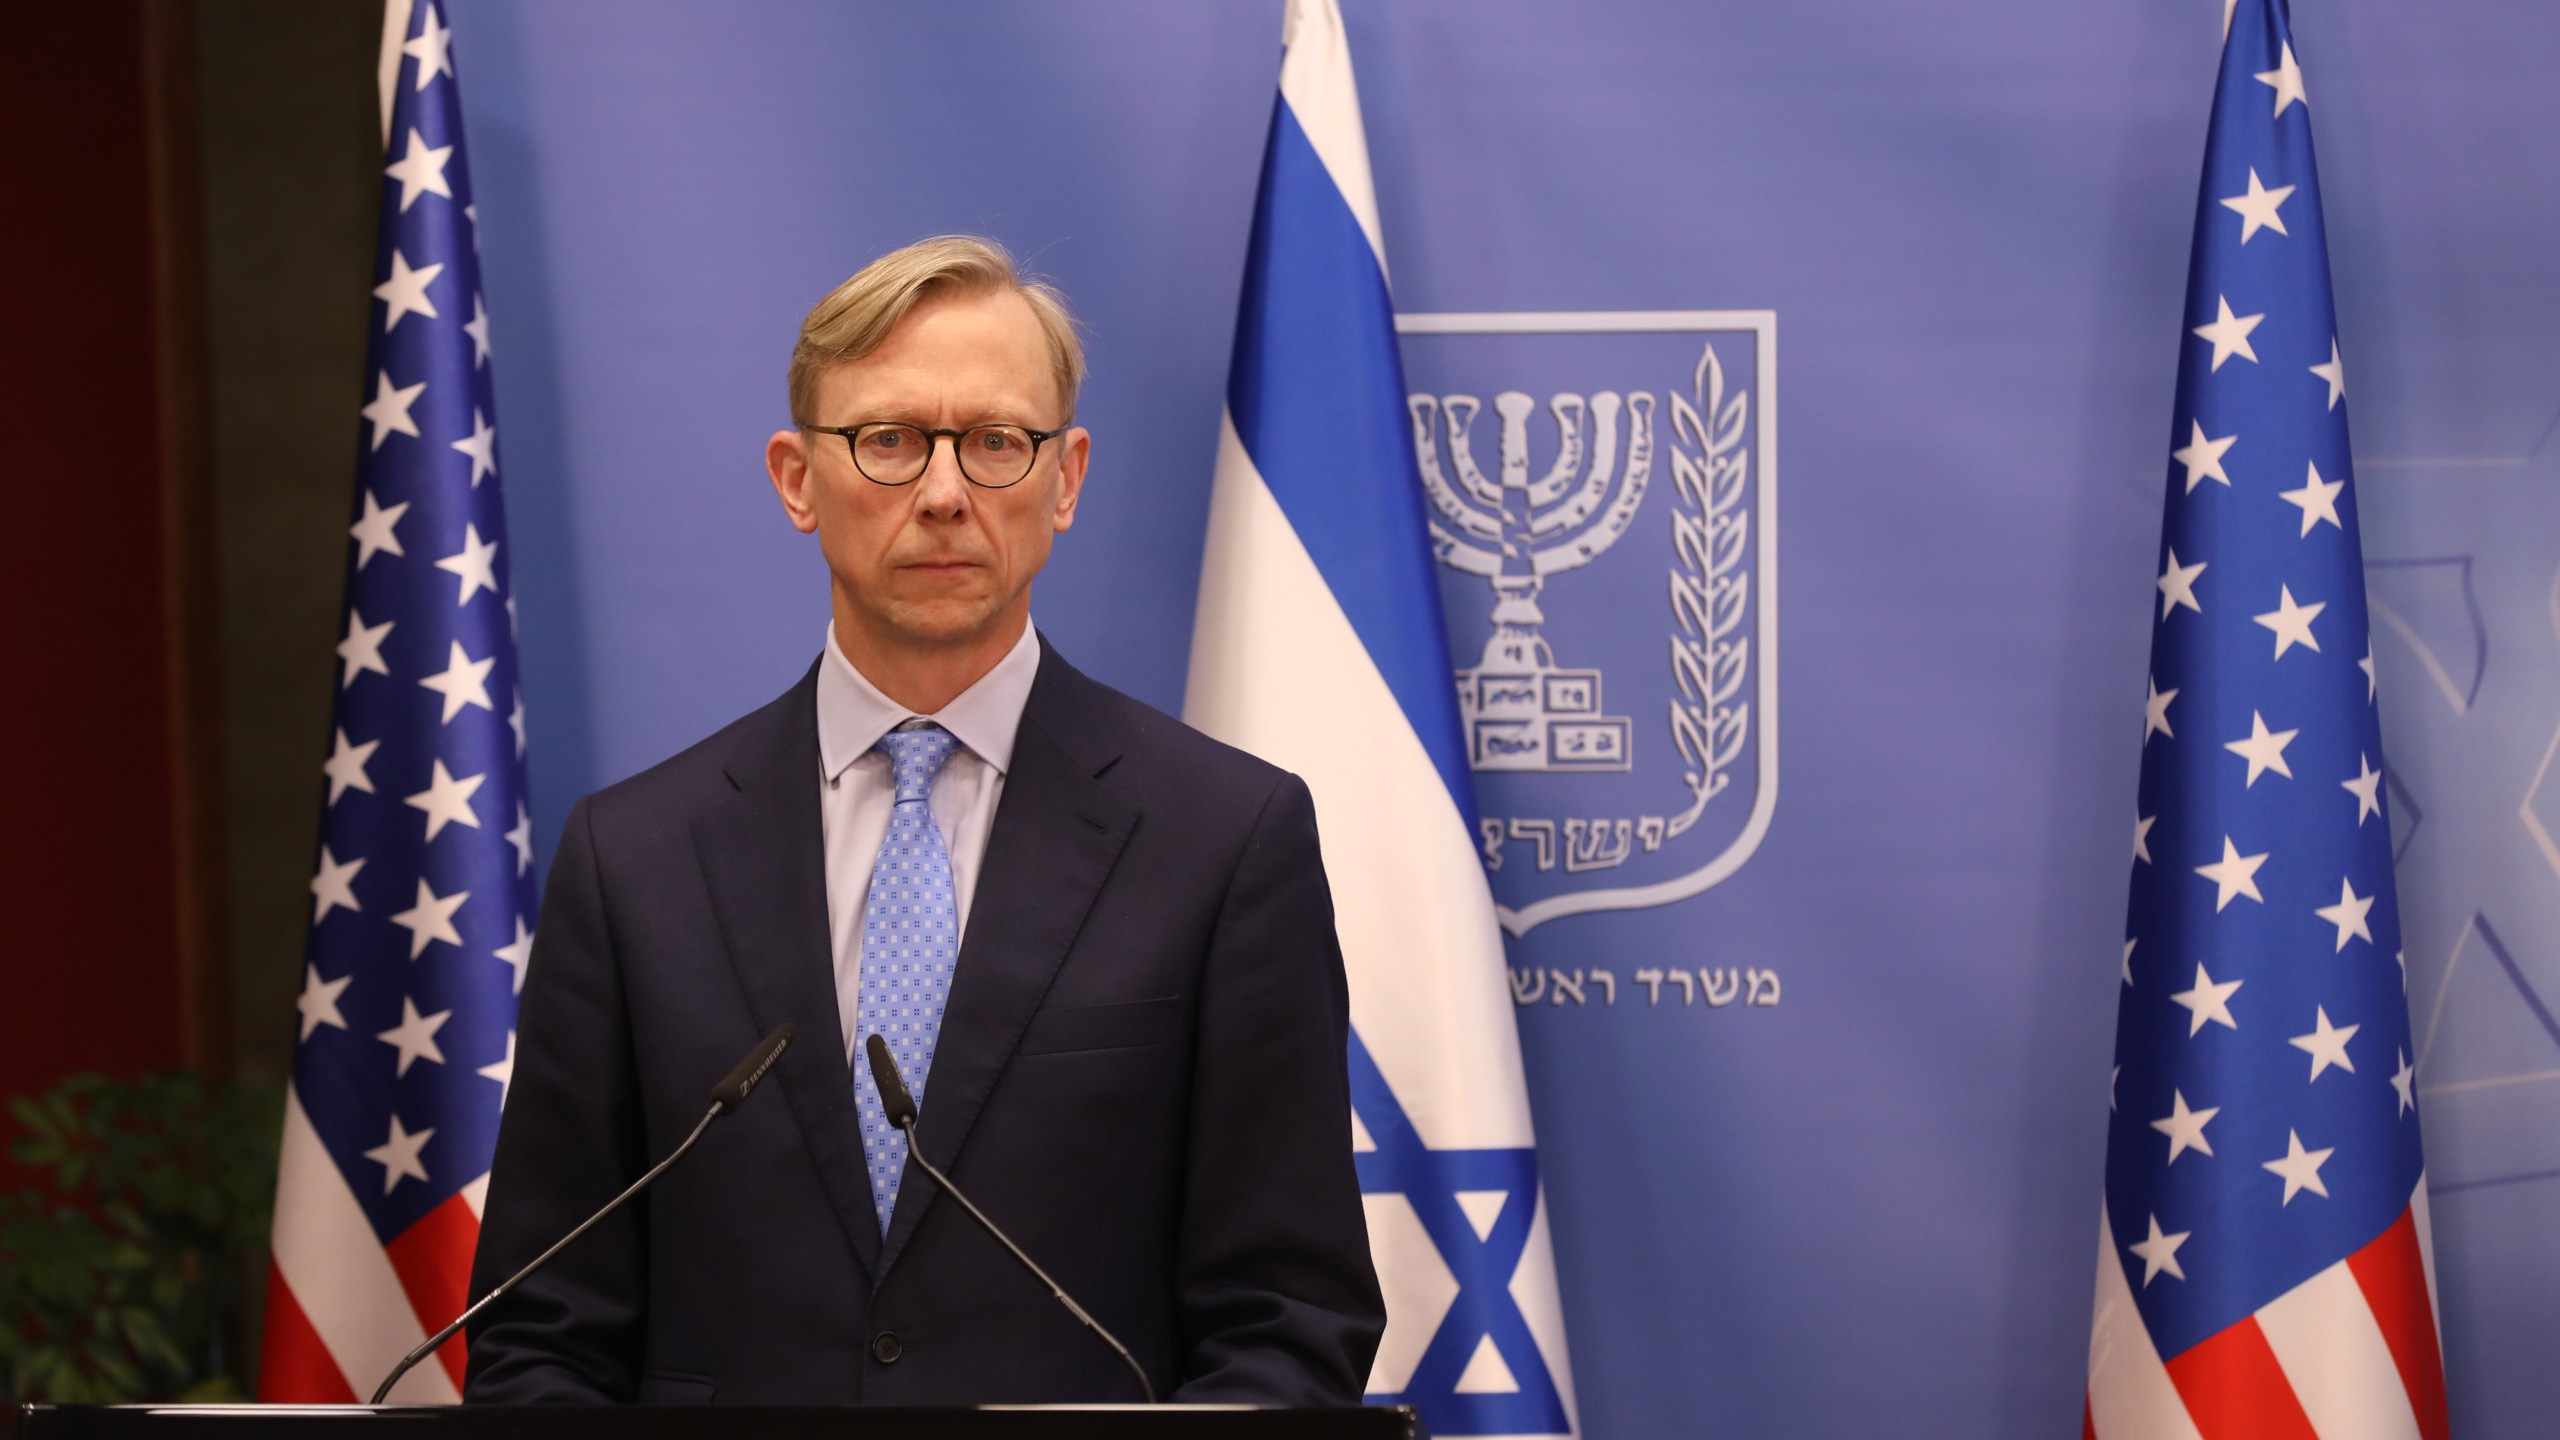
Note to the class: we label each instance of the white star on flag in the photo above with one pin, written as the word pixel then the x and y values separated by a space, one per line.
pixel 2142 837
pixel 373 531
pixel 2233 875
pixel 2318 499
pixel 502 1070
pixel 2326 1044
pixel 2178 585
pixel 463 681
pixel 447 801
pixel 481 445
pixel 2366 787
pixel 2159 1252
pixel 2264 750
pixel 2348 914
pixel 389 410
pixel 431 919
pixel 2286 81
pixel 2291 622
pixel 405 293
pixel 2366 665
pixel 415 1036
pixel 2300 1168
pixel 2155 712
pixel 345 766
pixel 2229 334
pixel 2208 1001
pixel 362 649
pixel 2257 209
pixel 318 1002
pixel 521 837
pixel 433 47
pixel 515 717
pixel 421 171
pixel 2185 1127
pixel 518 955
pixel 2203 457
pixel 476 564
pixel 2400 1082
pixel 477 327
pixel 2335 372
pixel 334 886
pixel 398 1156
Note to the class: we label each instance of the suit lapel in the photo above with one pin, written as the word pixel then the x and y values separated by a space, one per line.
pixel 763 856
pixel 1058 831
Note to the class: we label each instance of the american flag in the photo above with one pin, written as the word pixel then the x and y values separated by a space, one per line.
pixel 2263 1264
pixel 423 891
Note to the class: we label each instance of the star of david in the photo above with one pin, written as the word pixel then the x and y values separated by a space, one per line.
pixel 1484 1310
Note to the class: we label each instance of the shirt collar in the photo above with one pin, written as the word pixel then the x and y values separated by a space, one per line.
pixel 853 714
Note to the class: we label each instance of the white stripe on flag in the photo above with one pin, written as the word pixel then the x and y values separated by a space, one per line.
pixel 1315 80
pixel 2324 1336
pixel 2427 1254
pixel 339 1274
pixel 395 34
pixel 1276 669
pixel 2130 1394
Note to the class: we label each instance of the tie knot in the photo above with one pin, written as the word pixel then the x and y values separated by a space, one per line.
pixel 915 757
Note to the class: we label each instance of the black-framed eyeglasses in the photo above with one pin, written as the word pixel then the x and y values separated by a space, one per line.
pixel 893 452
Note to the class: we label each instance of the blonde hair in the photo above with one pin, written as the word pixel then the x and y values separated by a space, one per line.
pixel 857 316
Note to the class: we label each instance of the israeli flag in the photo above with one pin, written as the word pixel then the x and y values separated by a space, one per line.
pixel 1319 646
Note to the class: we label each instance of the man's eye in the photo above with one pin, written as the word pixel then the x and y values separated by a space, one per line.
pixel 886 442
pixel 996 442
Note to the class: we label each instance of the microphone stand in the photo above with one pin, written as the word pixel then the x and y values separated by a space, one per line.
pixel 410 1361
pixel 915 1152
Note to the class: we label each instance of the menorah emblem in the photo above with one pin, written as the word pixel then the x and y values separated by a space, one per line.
pixel 1523 711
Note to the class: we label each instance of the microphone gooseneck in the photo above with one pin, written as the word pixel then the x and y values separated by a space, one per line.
pixel 728 1095
pixel 900 1108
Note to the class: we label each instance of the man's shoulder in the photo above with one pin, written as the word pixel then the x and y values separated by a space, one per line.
pixel 1140 744
pixel 711 769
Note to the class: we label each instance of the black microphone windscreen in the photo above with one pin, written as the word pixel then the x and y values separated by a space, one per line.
pixel 733 1089
pixel 899 1106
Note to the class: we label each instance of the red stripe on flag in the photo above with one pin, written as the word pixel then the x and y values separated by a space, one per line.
pixel 2088 1420
pixel 433 1259
pixel 2393 1276
pixel 294 1368
pixel 2235 1390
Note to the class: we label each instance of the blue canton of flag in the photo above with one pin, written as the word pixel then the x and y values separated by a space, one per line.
pixel 424 891
pixel 2263 1269
pixel 1319 645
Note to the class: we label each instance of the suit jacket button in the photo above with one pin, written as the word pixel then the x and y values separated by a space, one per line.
pixel 886 1347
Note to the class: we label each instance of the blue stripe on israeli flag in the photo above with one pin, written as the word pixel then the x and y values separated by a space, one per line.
pixel 1319 645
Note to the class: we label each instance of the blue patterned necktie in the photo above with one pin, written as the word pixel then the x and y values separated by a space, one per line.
pixel 910 942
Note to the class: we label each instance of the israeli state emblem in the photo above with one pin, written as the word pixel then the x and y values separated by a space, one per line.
pixel 1603 504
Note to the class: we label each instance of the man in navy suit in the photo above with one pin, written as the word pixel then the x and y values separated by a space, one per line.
pixel 1100 946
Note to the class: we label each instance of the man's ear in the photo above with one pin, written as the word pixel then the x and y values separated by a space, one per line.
pixel 1072 459
pixel 786 459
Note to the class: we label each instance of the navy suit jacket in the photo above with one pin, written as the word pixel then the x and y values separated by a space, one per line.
pixel 1140 1074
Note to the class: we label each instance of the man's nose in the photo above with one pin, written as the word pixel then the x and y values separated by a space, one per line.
pixel 942 491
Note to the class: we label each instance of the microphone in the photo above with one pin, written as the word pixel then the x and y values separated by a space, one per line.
pixel 728 1095
pixel 900 1107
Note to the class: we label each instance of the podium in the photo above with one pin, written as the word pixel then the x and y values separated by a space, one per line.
pixel 579 1422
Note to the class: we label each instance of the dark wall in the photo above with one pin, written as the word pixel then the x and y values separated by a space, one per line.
pixel 90 757
pixel 291 146
pixel 193 188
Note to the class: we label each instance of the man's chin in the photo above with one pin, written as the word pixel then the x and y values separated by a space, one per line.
pixel 946 623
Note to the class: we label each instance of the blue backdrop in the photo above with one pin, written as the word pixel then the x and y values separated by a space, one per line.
pixel 1869 1207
